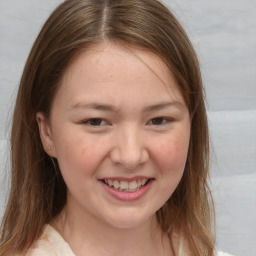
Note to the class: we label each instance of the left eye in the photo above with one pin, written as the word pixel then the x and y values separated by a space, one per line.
pixel 95 122
pixel 159 121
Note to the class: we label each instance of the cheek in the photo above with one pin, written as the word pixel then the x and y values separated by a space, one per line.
pixel 80 155
pixel 171 153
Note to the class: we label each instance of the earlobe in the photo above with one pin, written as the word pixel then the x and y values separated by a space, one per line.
pixel 45 134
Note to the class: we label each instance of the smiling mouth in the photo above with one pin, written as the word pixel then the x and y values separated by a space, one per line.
pixel 126 186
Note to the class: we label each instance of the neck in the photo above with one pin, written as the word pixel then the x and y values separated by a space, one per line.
pixel 88 236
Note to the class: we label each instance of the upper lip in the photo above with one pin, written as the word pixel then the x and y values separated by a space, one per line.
pixel 126 178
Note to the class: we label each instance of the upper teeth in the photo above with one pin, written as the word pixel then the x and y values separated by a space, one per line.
pixel 125 185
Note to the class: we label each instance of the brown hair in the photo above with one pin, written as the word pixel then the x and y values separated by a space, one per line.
pixel 38 192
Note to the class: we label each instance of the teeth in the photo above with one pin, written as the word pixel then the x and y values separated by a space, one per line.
pixel 143 182
pixel 116 184
pixel 126 186
pixel 133 185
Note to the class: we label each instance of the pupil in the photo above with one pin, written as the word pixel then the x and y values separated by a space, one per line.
pixel 95 122
pixel 157 121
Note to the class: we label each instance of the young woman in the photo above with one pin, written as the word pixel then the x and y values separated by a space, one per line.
pixel 109 143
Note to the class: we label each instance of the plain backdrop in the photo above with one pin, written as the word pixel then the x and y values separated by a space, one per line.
pixel 224 35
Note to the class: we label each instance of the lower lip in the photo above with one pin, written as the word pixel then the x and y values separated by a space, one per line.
pixel 127 196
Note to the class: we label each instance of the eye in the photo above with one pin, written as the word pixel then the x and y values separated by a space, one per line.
pixel 95 122
pixel 159 121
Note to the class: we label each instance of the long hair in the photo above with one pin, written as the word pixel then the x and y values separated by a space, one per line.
pixel 38 192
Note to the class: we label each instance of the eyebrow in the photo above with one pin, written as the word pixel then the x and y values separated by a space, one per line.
pixel 163 105
pixel 111 108
pixel 96 106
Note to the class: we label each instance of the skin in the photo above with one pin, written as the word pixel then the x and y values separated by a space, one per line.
pixel 129 138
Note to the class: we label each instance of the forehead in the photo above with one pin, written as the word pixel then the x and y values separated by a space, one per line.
pixel 116 71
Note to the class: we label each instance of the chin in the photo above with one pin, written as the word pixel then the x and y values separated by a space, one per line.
pixel 129 220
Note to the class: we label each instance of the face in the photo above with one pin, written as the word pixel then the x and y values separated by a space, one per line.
pixel 119 129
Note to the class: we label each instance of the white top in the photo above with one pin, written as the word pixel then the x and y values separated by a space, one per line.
pixel 51 243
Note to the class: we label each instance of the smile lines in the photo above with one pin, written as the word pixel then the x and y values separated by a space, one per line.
pixel 126 186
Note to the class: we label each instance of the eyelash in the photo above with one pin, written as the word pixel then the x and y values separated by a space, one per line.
pixel 162 119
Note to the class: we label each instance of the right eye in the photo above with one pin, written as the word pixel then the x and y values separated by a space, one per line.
pixel 94 122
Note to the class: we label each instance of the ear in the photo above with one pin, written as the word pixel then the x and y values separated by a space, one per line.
pixel 45 134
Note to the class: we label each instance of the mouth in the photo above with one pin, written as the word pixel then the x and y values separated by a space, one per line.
pixel 127 186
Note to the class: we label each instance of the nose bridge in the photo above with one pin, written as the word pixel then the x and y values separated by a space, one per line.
pixel 129 150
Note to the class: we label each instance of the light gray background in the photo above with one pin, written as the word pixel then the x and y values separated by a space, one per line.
pixel 224 35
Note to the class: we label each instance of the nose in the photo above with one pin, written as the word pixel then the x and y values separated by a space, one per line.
pixel 129 149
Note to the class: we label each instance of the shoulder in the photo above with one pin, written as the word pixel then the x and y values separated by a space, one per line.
pixel 50 243
pixel 223 254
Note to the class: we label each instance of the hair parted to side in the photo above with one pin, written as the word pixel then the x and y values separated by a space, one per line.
pixel 38 192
